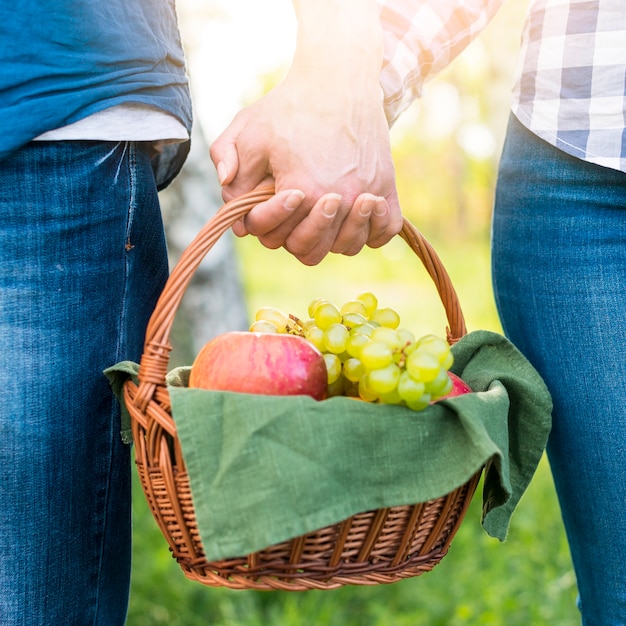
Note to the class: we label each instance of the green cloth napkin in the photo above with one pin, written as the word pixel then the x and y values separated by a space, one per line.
pixel 264 469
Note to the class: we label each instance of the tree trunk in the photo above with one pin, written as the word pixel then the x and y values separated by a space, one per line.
pixel 214 301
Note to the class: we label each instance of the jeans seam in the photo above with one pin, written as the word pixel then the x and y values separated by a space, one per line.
pixel 129 149
pixel 128 155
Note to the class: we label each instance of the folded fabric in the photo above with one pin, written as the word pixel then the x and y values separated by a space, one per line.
pixel 264 469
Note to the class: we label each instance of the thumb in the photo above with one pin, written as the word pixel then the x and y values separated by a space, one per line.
pixel 224 155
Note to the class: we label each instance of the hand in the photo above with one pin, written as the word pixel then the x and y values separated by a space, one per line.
pixel 321 137
pixel 335 180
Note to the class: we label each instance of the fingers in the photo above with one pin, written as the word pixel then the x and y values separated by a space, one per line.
pixel 310 234
pixel 313 237
pixel 269 217
pixel 285 221
pixel 223 152
pixel 239 169
pixel 372 221
pixel 331 227
pixel 356 228
pixel 386 221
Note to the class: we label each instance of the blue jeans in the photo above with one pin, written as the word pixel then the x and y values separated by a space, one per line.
pixel 82 261
pixel 559 268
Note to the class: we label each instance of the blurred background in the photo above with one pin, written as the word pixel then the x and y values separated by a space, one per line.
pixel 446 148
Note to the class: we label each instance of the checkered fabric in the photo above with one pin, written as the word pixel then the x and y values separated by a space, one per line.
pixel 571 84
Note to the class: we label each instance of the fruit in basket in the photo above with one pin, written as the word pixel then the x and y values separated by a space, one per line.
pixel 269 363
pixel 368 354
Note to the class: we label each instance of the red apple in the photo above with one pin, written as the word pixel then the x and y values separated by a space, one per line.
pixel 459 387
pixel 262 363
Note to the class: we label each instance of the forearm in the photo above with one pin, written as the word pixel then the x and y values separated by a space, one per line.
pixel 339 41
pixel 421 38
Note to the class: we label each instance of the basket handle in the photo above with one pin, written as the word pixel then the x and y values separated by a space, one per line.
pixel 155 358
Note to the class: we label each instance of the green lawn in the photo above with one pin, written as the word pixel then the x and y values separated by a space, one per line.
pixel 527 580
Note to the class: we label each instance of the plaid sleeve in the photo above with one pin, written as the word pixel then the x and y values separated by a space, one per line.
pixel 420 38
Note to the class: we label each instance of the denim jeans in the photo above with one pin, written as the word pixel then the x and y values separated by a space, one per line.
pixel 82 261
pixel 559 268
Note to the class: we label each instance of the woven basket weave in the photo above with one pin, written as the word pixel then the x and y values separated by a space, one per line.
pixel 373 547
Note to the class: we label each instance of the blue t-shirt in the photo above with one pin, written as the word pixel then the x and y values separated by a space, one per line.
pixel 63 60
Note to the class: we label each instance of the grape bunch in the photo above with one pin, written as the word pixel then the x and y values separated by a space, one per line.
pixel 367 354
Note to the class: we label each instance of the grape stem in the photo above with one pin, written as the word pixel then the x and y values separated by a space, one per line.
pixel 295 326
pixel 402 358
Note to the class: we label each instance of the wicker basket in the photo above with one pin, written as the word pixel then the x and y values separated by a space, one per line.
pixel 373 547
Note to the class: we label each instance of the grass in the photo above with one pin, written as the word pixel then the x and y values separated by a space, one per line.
pixel 526 580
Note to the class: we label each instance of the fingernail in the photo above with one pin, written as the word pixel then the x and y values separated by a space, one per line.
pixel 331 205
pixel 222 172
pixel 367 206
pixel 381 207
pixel 294 200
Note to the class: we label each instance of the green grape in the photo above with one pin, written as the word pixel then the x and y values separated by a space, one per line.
pixel 333 367
pixel 263 326
pixel 354 344
pixel 388 336
pixel 326 314
pixel 271 314
pixel 353 370
pixel 364 392
pixel 419 405
pixel 447 362
pixel 439 344
pixel 363 329
pixel 386 317
pixel 409 389
pixel 343 356
pixel 351 319
pixel 384 380
pixel 308 323
pixel 354 306
pixel 391 398
pixel 351 389
pixel 422 366
pixel 370 301
pixel 375 355
pixel 438 347
pixel 314 304
pixel 336 338
pixel 315 335
pixel 336 388
pixel 441 385
pixel 367 354
pixel 408 338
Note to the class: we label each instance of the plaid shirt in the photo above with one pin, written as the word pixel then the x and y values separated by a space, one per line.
pixel 571 84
